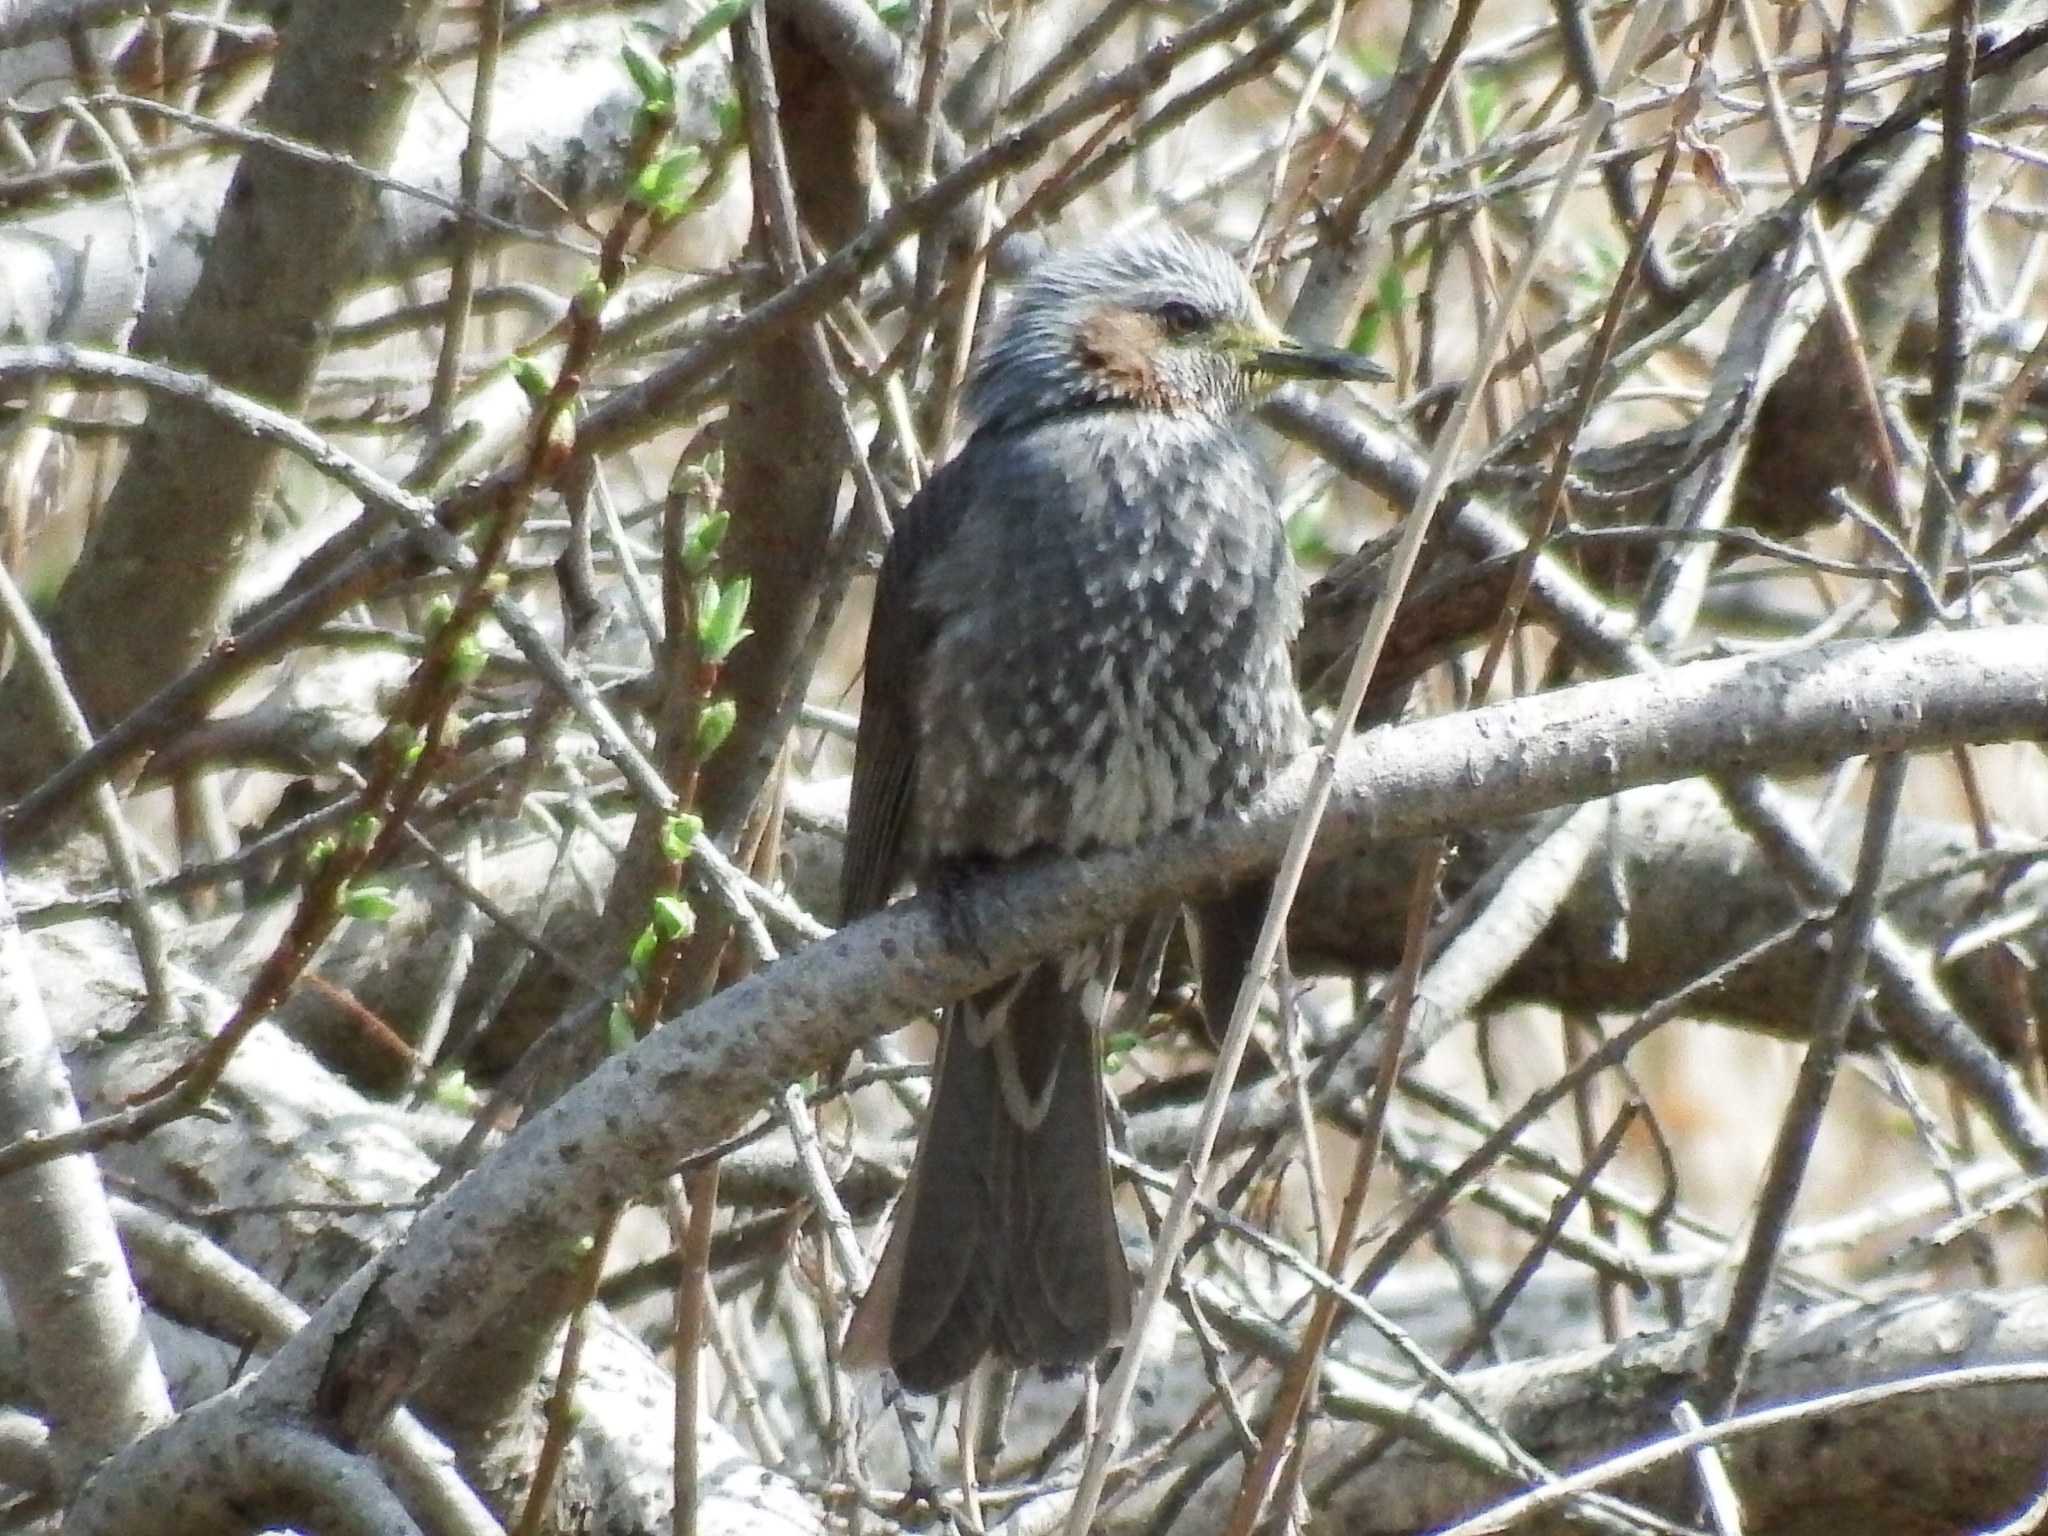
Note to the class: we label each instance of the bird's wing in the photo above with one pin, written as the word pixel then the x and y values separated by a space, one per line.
pixel 899 637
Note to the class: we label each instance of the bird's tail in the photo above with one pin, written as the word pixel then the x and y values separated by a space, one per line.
pixel 1005 1238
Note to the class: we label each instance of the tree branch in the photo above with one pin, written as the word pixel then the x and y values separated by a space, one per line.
pixel 691 1083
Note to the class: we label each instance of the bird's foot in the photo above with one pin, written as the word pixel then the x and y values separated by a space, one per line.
pixel 953 887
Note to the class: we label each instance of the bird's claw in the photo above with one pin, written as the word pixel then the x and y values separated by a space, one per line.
pixel 954 890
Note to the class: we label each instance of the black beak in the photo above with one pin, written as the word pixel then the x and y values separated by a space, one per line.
pixel 1291 359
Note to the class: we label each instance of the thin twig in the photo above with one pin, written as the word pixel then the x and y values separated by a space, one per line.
pixel 535 1513
pixel 490 39
pixel 694 1299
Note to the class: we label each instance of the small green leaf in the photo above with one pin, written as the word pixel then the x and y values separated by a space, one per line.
pixel 645 187
pixel 714 725
pixel 466 662
pixel 318 853
pixel 721 620
pixel 451 1090
pixel 438 613
pixel 657 87
pixel 591 295
pixel 619 1033
pixel 1393 289
pixel 711 23
pixel 1390 298
pixel 701 537
pixel 679 836
pixel 527 374
pixel 674 918
pixel 660 184
pixel 644 948
pixel 363 828
pixel 1117 1048
pixel 405 743
pixel 726 113
pixel 1483 99
pixel 1306 538
pixel 371 903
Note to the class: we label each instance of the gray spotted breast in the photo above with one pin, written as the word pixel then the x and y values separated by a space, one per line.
pixel 1112 617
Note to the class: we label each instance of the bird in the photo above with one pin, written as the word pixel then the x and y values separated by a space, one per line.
pixel 1080 639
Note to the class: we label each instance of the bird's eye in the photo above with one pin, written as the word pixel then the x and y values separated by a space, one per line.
pixel 1181 318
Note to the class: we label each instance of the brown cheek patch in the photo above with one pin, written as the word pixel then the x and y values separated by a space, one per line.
pixel 1119 346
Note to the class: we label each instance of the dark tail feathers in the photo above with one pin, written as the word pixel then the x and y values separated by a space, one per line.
pixel 1006 1237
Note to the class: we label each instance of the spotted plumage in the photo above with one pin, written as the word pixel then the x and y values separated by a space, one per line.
pixel 1081 640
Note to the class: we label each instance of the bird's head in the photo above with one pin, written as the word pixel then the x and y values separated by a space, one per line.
pixel 1157 321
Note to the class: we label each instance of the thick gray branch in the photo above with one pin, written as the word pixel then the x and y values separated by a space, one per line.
pixel 636 1116
pixel 1675 887
pixel 261 1473
pixel 1914 1467
pixel 61 1266
pixel 285 1142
